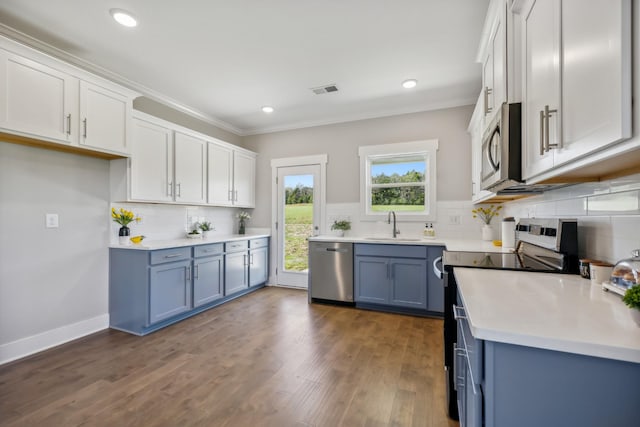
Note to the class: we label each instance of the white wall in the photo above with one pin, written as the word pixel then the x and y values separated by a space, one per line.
pixel 341 141
pixel 53 281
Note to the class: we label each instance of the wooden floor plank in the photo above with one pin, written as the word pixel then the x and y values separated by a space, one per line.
pixel 265 359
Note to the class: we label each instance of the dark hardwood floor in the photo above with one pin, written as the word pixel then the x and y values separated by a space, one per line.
pixel 266 359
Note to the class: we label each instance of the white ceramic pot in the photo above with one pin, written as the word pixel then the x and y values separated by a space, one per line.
pixel 206 234
pixel 339 233
pixel 487 232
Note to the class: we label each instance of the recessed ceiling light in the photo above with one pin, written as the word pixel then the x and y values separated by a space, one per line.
pixel 267 109
pixel 123 17
pixel 409 84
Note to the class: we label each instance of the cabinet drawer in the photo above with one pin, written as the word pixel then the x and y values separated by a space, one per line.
pixel 241 245
pixel 208 250
pixel 398 251
pixel 258 243
pixel 170 255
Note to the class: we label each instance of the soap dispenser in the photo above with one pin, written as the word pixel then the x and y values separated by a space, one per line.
pixel 429 232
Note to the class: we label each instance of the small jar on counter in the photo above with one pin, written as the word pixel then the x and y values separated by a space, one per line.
pixel 585 267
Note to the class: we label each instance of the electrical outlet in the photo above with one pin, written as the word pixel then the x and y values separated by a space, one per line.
pixel 51 220
pixel 454 219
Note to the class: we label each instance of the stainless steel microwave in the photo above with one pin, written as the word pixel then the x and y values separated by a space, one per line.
pixel 501 150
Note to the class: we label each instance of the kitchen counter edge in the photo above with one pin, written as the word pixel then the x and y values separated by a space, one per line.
pixel 178 243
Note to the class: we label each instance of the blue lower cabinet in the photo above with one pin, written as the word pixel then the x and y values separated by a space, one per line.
pixel 506 385
pixel 149 290
pixel 391 276
pixel 372 280
pixel 258 266
pixel 408 279
pixel 236 272
pixel 169 290
pixel 208 282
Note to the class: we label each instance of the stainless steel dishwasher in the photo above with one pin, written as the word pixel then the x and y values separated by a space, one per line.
pixel 331 271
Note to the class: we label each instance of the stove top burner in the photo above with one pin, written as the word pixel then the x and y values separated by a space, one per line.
pixel 495 261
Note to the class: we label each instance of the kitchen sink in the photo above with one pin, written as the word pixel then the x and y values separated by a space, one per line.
pixel 394 239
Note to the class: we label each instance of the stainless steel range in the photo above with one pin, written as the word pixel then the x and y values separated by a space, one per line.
pixel 544 245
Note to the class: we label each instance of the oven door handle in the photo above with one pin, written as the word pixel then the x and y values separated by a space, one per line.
pixel 436 270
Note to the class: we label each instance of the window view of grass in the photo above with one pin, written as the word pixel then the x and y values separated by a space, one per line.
pixel 398 185
pixel 298 225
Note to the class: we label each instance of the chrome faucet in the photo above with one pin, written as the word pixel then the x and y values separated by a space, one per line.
pixel 395 229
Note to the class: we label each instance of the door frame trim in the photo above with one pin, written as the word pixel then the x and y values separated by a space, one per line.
pixel 320 160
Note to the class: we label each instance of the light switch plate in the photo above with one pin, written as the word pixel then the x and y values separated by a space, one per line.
pixel 51 220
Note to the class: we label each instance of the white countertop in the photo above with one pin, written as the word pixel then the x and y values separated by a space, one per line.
pixel 545 310
pixel 464 245
pixel 152 245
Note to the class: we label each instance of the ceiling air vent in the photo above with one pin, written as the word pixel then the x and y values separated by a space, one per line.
pixel 324 89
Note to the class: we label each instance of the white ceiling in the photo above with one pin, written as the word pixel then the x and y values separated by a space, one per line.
pixel 225 59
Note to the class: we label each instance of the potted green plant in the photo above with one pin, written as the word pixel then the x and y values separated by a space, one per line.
pixel 206 228
pixel 194 233
pixel 339 227
pixel 632 299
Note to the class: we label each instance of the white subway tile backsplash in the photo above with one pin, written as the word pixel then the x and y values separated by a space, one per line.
pixel 163 222
pixel 623 203
pixel 572 207
pixel 608 215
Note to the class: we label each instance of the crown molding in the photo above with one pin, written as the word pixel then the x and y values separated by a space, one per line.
pixel 357 117
pixel 62 55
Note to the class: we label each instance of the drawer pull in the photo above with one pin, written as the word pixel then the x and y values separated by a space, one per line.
pixel 172 256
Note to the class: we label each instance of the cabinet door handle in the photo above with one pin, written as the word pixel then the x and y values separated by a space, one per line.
pixel 170 189
pixel 178 190
pixel 541 132
pixel 244 260
pixel 236 196
pixel 487 92
pixel 230 196
pixel 455 366
pixel 188 273
pixel 547 116
pixel 436 270
pixel 195 271
pixel 68 124
pixel 84 124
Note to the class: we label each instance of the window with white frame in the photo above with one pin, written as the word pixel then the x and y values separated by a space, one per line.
pixel 399 177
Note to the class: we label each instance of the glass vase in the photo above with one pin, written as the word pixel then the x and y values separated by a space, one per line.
pixel 123 235
pixel 241 227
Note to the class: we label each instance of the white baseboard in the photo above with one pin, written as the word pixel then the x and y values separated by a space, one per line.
pixel 42 341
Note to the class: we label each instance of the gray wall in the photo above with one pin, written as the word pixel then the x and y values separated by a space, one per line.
pixel 341 141
pixel 51 277
pixel 169 114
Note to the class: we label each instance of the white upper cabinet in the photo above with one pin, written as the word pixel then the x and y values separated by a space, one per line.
pixel 37 100
pixel 493 56
pixel 541 27
pixel 244 179
pixel 231 176
pixel 104 118
pixel 577 80
pixel 151 168
pixel 173 164
pixel 51 101
pixel 220 182
pixel 190 168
